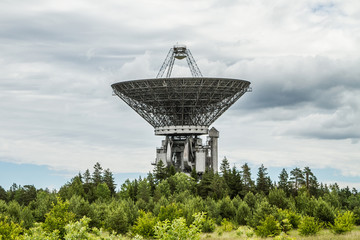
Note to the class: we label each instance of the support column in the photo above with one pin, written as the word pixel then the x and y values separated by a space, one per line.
pixel 214 135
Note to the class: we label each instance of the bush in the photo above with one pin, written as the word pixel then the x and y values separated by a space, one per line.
pixel 309 226
pixel 177 229
pixel 8 229
pixel 78 230
pixel 145 224
pixel 269 227
pixel 343 223
pixel 226 226
pixel 208 225
pixel 58 217
pixel 243 213
pixel 324 212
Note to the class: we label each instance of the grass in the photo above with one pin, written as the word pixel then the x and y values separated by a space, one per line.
pixel 324 234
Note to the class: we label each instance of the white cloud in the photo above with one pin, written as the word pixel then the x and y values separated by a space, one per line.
pixel 59 59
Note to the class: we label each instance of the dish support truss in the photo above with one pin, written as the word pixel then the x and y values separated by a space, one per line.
pixel 179 52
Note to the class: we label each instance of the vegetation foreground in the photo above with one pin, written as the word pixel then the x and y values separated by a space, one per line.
pixel 172 205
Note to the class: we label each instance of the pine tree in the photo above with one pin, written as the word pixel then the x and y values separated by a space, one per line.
pixel 297 178
pixel 310 182
pixel 263 182
pixel 109 180
pixel 97 174
pixel 284 181
pixel 160 171
pixel 248 183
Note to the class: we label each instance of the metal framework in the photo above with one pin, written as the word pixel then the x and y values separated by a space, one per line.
pixel 179 52
pixel 181 101
pixel 182 109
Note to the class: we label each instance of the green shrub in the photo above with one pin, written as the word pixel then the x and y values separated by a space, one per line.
pixel 8 229
pixel 309 226
pixel 78 230
pixel 58 217
pixel 169 212
pixel 324 212
pixel 343 223
pixel 226 226
pixel 145 224
pixel 208 225
pixel 177 229
pixel 269 227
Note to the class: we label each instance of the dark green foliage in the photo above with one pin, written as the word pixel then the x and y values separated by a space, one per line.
pixel 116 218
pixel 3 194
pixel 160 171
pixel 262 210
pixel 297 178
pixel 248 183
pixel 226 208
pixel 277 197
pixel 109 181
pixel 284 182
pixel 229 199
pixel 324 212
pixel 263 182
pixel 243 213
pixel 80 207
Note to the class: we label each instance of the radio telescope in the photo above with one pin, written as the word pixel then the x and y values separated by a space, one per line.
pixel 182 109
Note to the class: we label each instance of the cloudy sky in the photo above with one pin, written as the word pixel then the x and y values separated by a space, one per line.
pixel 59 58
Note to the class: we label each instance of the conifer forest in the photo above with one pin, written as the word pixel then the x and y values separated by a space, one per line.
pixel 167 204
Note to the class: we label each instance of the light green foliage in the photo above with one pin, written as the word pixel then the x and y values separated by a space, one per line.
pixel 58 217
pixel 145 224
pixel 208 225
pixel 38 233
pixel 344 222
pixel 226 226
pixel 169 212
pixel 288 219
pixel 182 183
pixel 9 230
pixel 309 226
pixel 245 230
pixel 268 227
pixel 283 236
pixel 78 230
pixel 178 230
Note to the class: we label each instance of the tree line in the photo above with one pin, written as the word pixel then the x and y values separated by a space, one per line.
pixel 140 207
